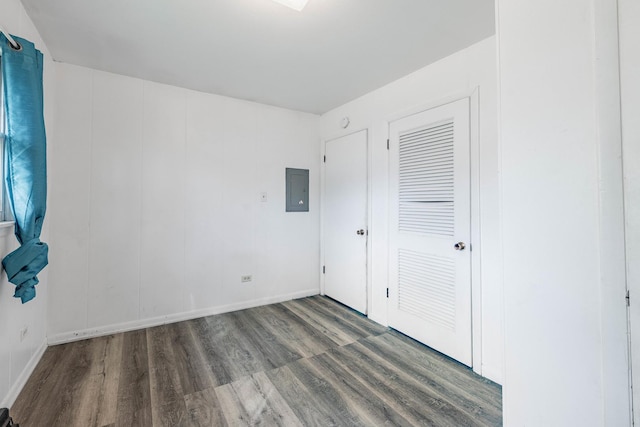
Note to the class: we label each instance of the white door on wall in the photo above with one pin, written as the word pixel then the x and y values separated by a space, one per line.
pixel 345 220
pixel 430 229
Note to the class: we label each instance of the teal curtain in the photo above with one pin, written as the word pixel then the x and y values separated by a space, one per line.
pixel 25 162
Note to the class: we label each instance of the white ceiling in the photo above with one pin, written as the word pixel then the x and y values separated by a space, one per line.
pixel 328 54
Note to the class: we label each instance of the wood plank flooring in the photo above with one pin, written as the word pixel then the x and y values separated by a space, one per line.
pixel 307 362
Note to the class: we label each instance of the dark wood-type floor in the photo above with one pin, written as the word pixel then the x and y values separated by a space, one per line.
pixel 300 363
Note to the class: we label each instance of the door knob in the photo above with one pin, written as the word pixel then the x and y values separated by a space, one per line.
pixel 459 246
pixel 360 232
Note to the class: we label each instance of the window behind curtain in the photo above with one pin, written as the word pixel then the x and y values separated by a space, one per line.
pixel 3 123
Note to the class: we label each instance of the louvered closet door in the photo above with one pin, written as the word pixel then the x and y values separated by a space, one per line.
pixel 430 277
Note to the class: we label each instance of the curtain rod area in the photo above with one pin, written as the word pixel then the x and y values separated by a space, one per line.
pixel 8 36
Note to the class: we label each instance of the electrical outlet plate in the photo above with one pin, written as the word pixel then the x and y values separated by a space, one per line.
pixel 246 278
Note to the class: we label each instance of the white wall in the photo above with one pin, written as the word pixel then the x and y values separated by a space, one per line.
pixel 18 358
pixel 457 75
pixel 156 209
pixel 629 14
pixel 565 326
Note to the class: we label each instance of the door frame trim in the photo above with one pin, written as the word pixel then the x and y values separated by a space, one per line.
pixel 612 72
pixel 322 212
pixel 476 239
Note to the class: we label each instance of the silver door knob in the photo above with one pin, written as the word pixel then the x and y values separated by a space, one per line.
pixel 459 246
pixel 360 232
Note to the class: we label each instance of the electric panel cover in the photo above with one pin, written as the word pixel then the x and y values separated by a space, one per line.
pixel 297 190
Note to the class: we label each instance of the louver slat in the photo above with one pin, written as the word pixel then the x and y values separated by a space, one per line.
pixel 426 287
pixel 426 180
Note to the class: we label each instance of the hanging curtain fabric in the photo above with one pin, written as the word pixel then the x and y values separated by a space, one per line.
pixel 25 162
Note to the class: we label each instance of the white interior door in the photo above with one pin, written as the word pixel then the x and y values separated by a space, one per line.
pixel 430 229
pixel 345 220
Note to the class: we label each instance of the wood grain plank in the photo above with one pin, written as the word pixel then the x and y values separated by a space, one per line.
pixel 330 408
pixel 232 349
pixel 301 400
pixel 263 402
pixel 255 401
pixel 69 390
pixel 367 406
pixel 419 402
pixel 268 342
pixel 451 381
pixel 167 398
pixel 232 409
pixel 89 402
pixel 190 362
pixel 292 331
pixel 339 334
pixel 343 314
pixel 108 400
pixel 134 389
pixel 420 361
pixel 209 342
pixel 40 389
pixel 203 409
pixel 84 411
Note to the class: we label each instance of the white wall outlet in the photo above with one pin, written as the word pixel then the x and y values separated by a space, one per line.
pixel 23 333
pixel 246 278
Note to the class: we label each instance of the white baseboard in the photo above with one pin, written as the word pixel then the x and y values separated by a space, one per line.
pixel 67 337
pixel 16 388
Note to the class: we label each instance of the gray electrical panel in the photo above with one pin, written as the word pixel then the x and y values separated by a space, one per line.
pixel 297 190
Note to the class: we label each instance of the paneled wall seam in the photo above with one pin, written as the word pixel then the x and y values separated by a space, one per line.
pixel 90 224
pixel 185 100
pixel 142 189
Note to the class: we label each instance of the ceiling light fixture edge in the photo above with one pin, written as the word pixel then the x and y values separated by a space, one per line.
pixel 293 4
